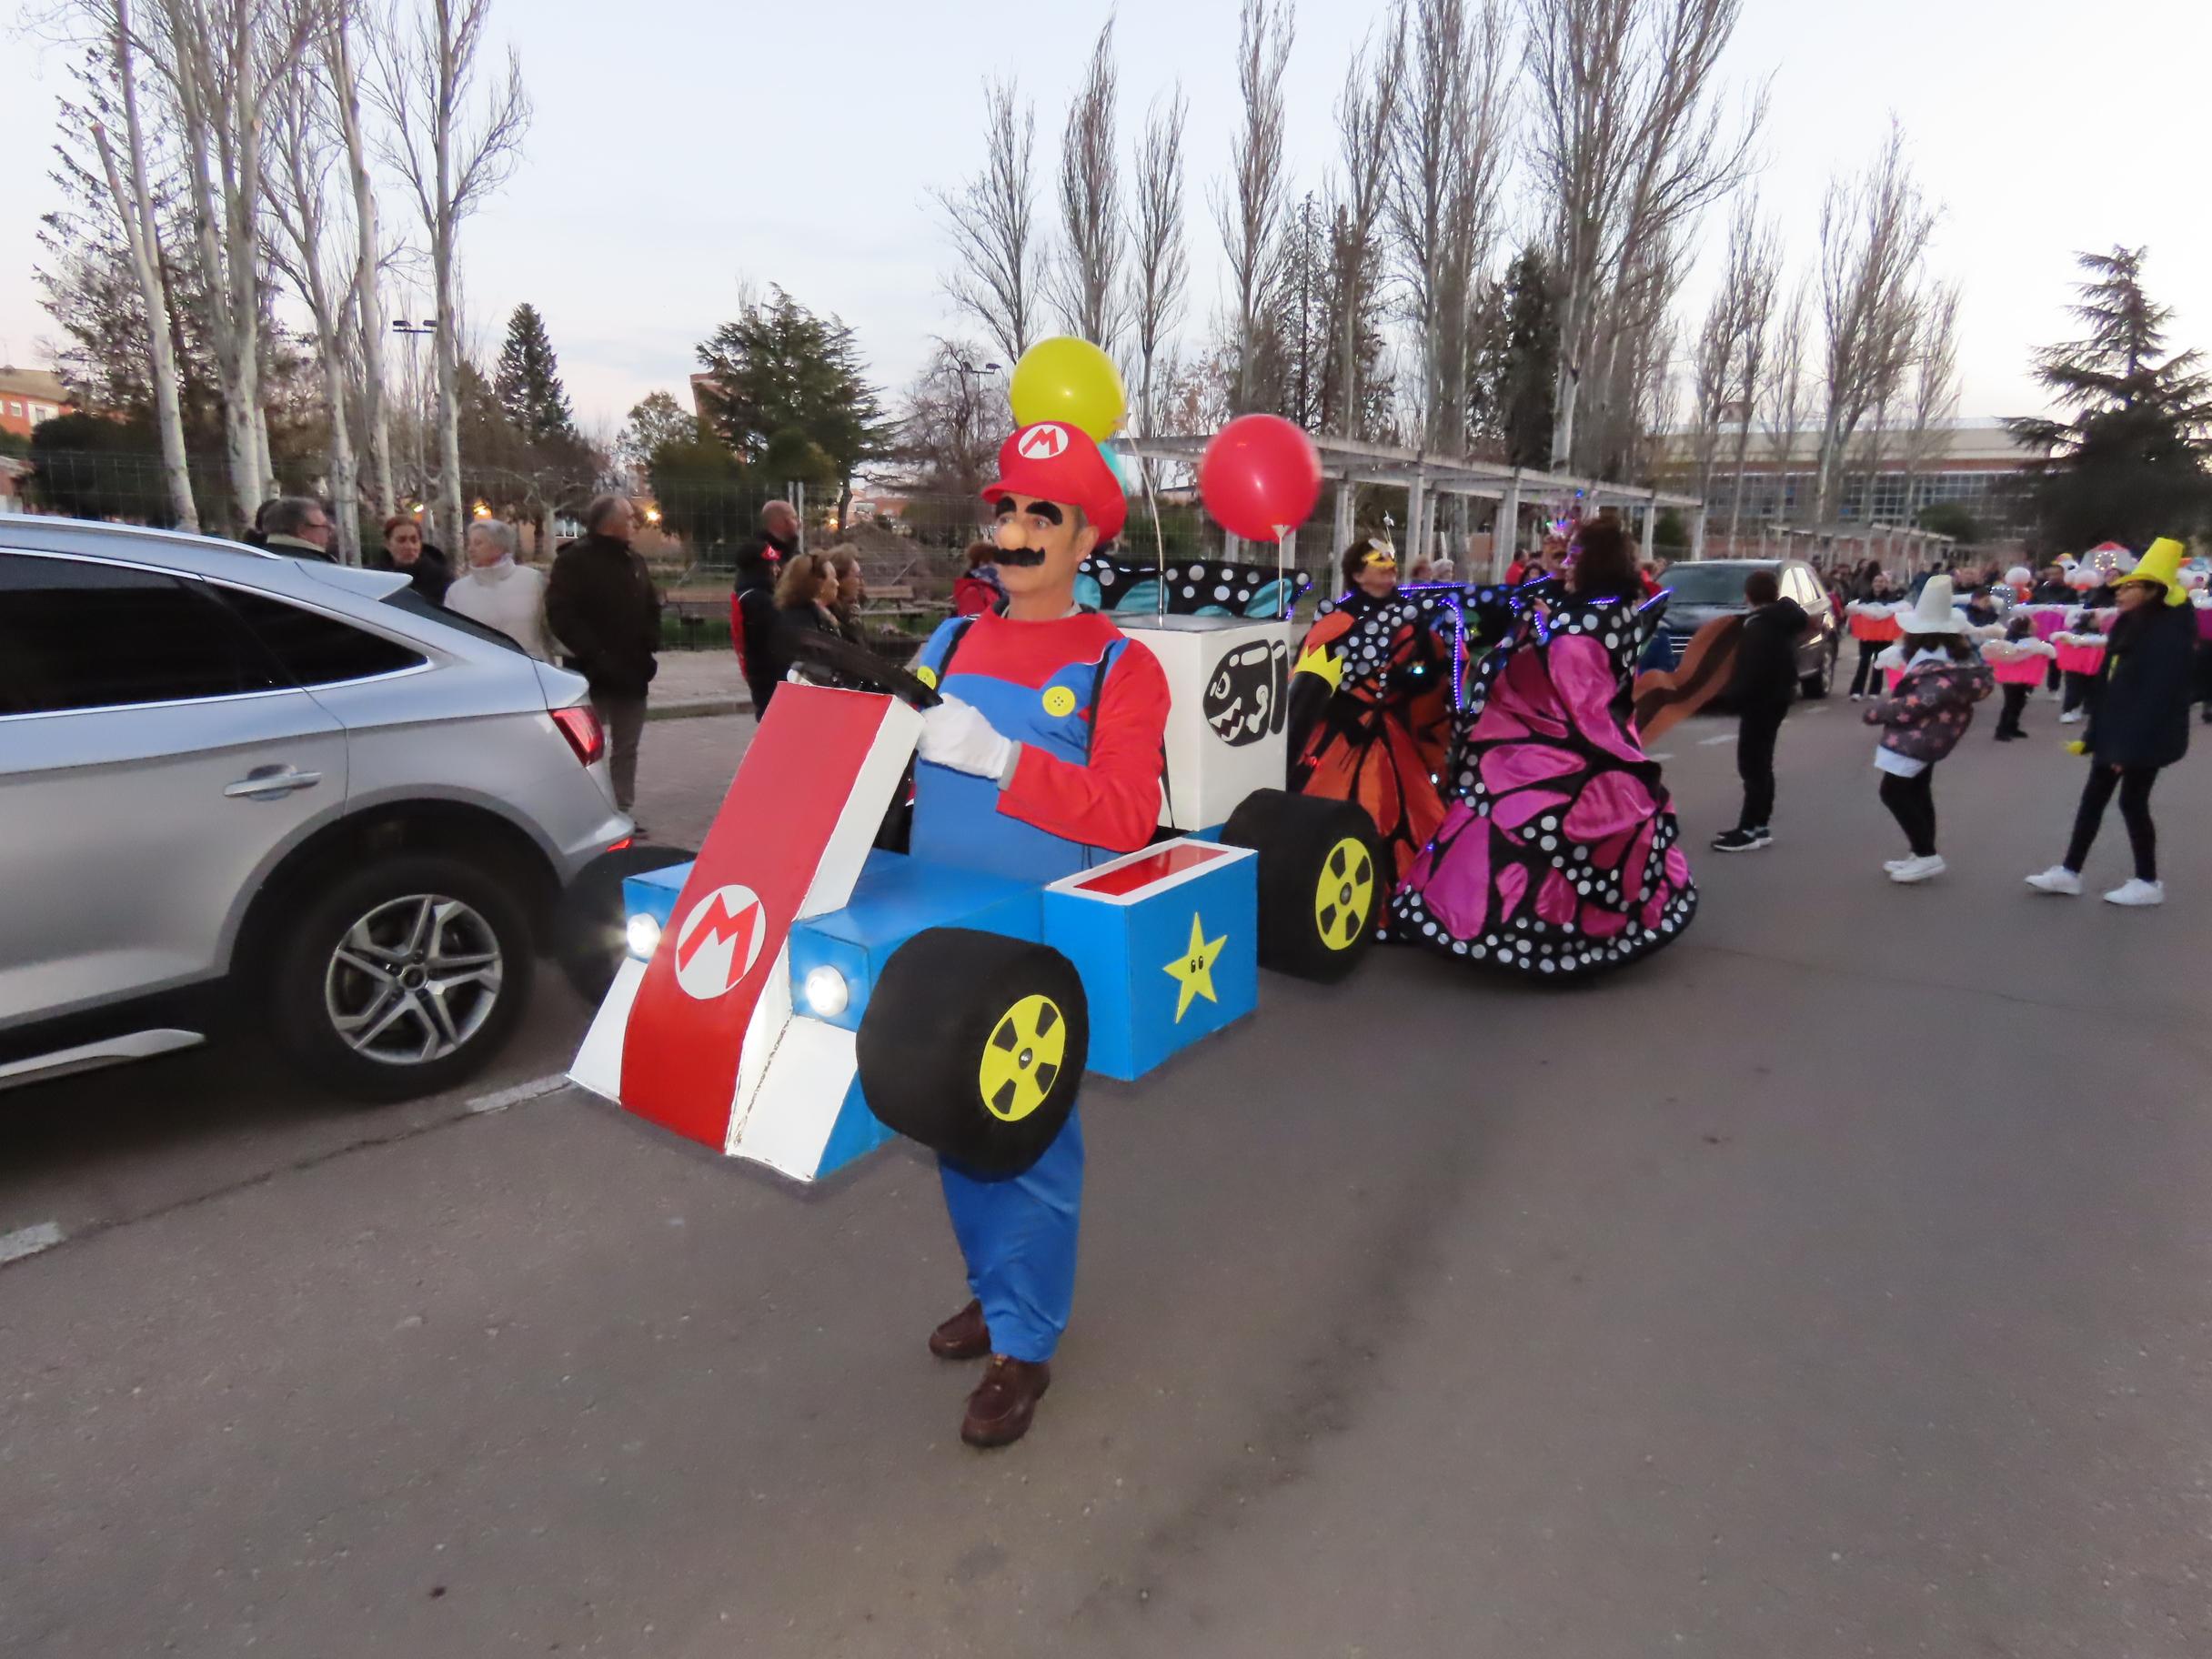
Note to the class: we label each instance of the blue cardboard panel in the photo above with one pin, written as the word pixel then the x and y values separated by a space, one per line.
pixel 1165 971
pixel 857 1132
pixel 656 891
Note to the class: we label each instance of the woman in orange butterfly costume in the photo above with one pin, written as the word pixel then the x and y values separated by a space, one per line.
pixel 1371 702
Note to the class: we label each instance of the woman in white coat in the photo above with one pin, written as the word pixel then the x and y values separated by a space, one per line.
pixel 499 593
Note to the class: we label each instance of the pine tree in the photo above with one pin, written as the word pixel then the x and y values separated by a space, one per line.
pixel 528 381
pixel 1516 372
pixel 2131 464
pixel 782 379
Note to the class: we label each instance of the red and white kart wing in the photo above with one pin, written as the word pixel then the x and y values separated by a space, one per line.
pixel 686 1039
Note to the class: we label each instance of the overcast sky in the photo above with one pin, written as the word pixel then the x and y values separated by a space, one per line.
pixel 682 147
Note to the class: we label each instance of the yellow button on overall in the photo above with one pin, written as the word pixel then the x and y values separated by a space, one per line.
pixel 1059 701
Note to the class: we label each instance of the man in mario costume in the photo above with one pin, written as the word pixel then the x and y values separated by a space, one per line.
pixel 1043 758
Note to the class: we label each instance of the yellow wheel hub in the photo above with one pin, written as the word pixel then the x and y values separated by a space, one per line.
pixel 1345 896
pixel 1022 1059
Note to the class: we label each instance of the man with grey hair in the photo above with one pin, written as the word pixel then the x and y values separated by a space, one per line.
pixel 601 606
pixel 297 527
pixel 499 593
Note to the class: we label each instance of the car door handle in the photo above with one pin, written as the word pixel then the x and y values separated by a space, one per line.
pixel 267 782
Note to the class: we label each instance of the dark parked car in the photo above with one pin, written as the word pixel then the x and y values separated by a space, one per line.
pixel 1709 588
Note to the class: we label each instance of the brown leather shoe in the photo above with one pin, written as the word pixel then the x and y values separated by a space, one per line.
pixel 999 1410
pixel 964 1336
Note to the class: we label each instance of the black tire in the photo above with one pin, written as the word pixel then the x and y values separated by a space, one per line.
pixel 974 1045
pixel 588 939
pixel 312 985
pixel 1815 686
pixel 1323 885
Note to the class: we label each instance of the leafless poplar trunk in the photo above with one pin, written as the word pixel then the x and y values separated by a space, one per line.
pixel 1250 212
pixel 1935 390
pixel 219 59
pixel 1629 148
pixel 338 60
pixel 992 218
pixel 134 203
pixel 1363 125
pixel 1874 233
pixel 1445 156
pixel 425 82
pixel 1781 403
pixel 303 153
pixel 1090 297
pixel 1750 288
pixel 1162 263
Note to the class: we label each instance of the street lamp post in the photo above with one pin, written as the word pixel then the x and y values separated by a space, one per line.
pixel 415 333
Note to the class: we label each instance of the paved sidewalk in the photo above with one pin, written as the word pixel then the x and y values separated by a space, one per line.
pixel 693 683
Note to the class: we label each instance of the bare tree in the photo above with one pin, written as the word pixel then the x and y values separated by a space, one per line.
pixel 1250 212
pixel 217 60
pixel 1629 148
pixel 454 148
pixel 130 186
pixel 340 63
pixel 303 153
pixel 1874 233
pixel 1090 299
pixel 1933 398
pixel 1748 298
pixel 1363 124
pixel 1713 382
pixel 1781 403
pixel 992 218
pixel 1161 266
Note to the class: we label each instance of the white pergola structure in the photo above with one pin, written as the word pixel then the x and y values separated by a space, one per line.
pixel 1920 549
pixel 1428 480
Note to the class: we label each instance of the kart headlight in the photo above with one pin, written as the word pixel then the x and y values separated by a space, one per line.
pixel 642 934
pixel 826 992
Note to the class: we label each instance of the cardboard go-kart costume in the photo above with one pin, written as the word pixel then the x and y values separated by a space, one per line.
pixel 798 996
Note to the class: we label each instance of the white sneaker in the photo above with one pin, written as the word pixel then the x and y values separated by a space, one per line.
pixel 2070 717
pixel 1918 869
pixel 2137 893
pixel 2059 878
pixel 1856 696
pixel 1895 865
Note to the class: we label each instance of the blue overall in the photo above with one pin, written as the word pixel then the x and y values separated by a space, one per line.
pixel 1018 1233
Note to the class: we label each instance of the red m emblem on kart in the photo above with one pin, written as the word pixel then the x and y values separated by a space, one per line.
pixel 719 941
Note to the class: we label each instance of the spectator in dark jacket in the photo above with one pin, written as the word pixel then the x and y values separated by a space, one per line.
pixel 752 599
pixel 297 527
pixel 2051 587
pixel 405 549
pixel 1765 680
pixel 852 590
pixel 2138 723
pixel 805 593
pixel 601 606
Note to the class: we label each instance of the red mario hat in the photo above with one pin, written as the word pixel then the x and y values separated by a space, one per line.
pixel 1057 462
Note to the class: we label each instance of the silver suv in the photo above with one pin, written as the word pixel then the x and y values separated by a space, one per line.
pixel 284 792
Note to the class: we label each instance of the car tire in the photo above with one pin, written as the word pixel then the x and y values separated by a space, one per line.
pixel 974 1045
pixel 427 957
pixel 1323 881
pixel 1816 685
pixel 589 938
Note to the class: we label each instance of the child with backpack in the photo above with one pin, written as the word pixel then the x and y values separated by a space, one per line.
pixel 1923 719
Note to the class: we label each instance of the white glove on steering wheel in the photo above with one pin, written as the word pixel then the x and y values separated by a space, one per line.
pixel 956 734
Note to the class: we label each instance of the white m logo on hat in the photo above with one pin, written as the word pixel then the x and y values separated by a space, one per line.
pixel 1044 443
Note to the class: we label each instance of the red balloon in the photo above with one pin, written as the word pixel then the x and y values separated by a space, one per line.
pixel 1260 477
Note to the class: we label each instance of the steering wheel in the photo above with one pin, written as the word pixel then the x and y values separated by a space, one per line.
pixel 843 663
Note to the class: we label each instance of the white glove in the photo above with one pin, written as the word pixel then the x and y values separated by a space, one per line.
pixel 956 734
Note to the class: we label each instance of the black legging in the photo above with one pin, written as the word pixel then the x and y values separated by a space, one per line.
pixel 2016 700
pixel 2134 784
pixel 1866 674
pixel 1911 802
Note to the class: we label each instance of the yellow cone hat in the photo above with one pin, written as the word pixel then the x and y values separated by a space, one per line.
pixel 2161 563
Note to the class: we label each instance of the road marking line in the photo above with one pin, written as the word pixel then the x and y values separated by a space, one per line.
pixel 1659 756
pixel 1727 737
pixel 504 1098
pixel 29 1241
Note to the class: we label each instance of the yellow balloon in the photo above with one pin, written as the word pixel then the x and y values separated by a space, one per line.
pixel 1069 380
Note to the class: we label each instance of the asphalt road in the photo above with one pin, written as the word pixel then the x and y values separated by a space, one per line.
pixel 1837 1282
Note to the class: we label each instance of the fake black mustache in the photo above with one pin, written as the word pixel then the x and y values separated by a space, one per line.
pixel 1024 558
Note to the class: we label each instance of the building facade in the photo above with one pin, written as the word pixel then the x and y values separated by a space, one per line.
pixel 1973 463
pixel 28 395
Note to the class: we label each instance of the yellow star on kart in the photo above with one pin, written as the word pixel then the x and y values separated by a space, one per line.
pixel 1193 971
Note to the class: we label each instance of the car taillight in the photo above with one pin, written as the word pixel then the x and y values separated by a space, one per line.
pixel 583 731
